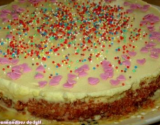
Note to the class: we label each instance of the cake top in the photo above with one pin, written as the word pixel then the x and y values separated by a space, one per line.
pixel 72 49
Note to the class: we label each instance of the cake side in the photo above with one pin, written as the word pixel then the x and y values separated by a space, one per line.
pixel 82 110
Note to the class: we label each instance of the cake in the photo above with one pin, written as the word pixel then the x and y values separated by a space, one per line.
pixel 75 60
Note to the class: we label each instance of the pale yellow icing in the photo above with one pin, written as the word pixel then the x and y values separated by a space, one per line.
pixel 27 87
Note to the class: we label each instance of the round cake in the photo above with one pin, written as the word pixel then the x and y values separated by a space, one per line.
pixel 71 60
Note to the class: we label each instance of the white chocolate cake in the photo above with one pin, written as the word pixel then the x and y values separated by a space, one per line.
pixel 75 59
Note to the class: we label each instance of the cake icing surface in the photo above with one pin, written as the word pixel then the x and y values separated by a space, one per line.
pixel 69 50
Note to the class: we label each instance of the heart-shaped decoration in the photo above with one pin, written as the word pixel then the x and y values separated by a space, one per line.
pixel 144 50
pixel 104 76
pixel 93 81
pixel 132 53
pixel 42 83
pixel 141 61
pixel 126 63
pixel 40 68
pixel 121 78
pixel 67 85
pixel 38 76
pixel 114 82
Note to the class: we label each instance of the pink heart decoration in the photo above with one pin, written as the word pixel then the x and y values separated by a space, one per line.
pixel 110 74
pixel 17 72
pixel 104 76
pixel 141 61
pixel 3 16
pixel 145 8
pixel 14 61
pixel 14 75
pixel 132 53
pixel 126 63
pixel 38 76
pixel 114 82
pixel 20 10
pixel 150 28
pixel 25 67
pixel 81 71
pixel 5 12
pixel 85 67
pixel 71 82
pixel 93 81
pixel 71 76
pixel 82 74
pixel 124 57
pixel 126 3
pixel 16 68
pixel 155 50
pixel 40 68
pixel 129 10
pixel 154 55
pixel 55 80
pixel 5 20
pixel 144 50
pixel 67 85
pixel 109 1
pixel 42 83
pixel 4 61
pixel 121 78
pixel 109 69
pixel 105 63
pixel 150 45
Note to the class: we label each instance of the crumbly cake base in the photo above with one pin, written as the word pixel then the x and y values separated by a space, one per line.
pixel 131 102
